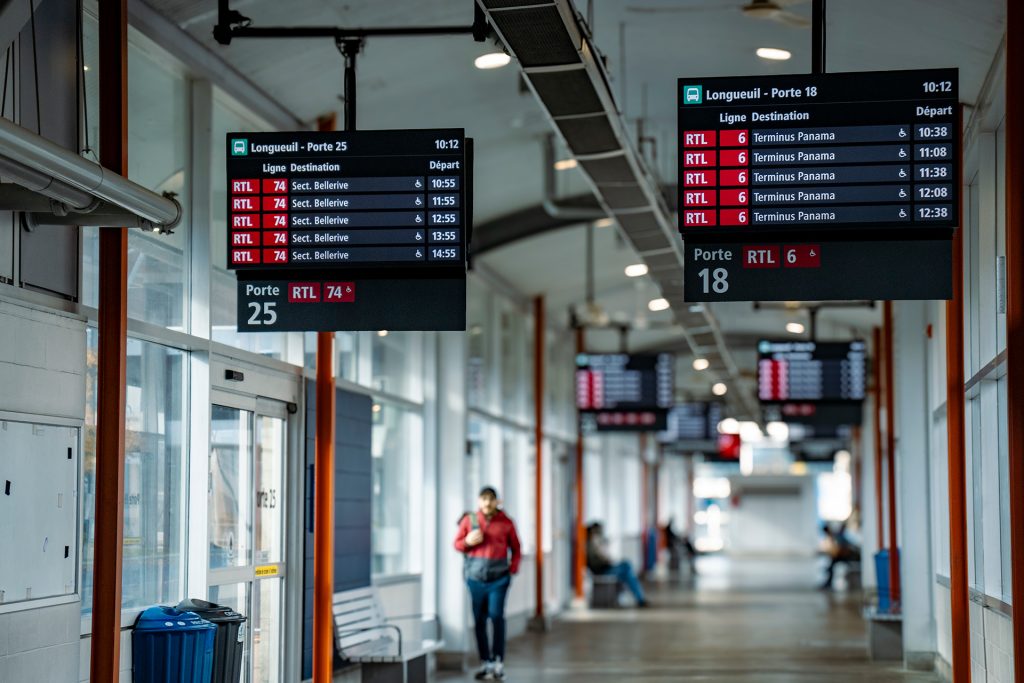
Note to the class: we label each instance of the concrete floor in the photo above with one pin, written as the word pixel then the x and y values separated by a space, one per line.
pixel 743 621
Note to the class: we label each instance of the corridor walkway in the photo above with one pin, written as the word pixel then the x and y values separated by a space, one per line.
pixel 761 621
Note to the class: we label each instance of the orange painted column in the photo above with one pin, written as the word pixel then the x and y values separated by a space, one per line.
pixel 876 373
pixel 323 516
pixel 957 465
pixel 1015 311
pixel 580 559
pixel 539 328
pixel 105 645
pixel 890 450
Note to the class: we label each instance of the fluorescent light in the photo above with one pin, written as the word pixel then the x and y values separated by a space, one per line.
pixel 492 60
pixel 636 270
pixel 719 389
pixel 376 407
pixel 795 328
pixel 774 53
pixel 566 164
pixel 658 305
pixel 778 430
pixel 604 223
pixel 700 364
pixel 382 333
pixel 729 426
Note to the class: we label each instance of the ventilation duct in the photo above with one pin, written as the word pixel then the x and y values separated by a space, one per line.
pixel 562 68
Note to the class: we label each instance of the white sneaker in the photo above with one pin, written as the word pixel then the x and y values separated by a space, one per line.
pixel 486 673
pixel 499 670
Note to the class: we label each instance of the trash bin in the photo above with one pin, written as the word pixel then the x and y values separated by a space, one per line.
pixel 227 649
pixel 171 646
pixel 882 577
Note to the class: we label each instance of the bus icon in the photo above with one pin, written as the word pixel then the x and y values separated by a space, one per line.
pixel 239 147
pixel 693 94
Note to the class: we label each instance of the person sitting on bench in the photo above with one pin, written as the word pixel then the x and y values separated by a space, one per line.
pixel 677 544
pixel 840 549
pixel 600 563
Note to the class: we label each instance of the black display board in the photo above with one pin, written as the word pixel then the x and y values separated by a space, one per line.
pixel 806 371
pixel 361 230
pixel 819 186
pixel 623 392
pixel 692 422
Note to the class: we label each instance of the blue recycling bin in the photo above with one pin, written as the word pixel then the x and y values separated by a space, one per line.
pixel 170 646
pixel 882 577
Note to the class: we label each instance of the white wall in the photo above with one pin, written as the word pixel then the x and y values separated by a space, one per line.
pixel 775 515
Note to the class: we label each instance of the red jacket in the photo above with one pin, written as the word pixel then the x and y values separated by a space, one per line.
pixel 490 559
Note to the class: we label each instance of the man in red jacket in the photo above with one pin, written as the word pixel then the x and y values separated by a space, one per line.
pixel 488 539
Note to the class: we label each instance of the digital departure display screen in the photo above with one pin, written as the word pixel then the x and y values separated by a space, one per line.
pixel 837 186
pixel 356 230
pixel 342 201
pixel 803 371
pixel 624 392
pixel 693 421
pixel 853 150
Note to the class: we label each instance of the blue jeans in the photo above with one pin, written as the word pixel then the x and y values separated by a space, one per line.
pixel 623 571
pixel 488 599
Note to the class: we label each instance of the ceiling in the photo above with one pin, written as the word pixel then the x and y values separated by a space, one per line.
pixel 431 82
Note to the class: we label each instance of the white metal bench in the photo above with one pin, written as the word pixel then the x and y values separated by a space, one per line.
pixel 391 650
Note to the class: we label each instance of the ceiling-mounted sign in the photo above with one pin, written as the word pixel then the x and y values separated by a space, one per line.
pixel 360 230
pixel 787 171
pixel 624 392
pixel 692 422
pixel 807 371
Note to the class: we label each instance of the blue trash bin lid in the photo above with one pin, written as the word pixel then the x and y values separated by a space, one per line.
pixel 169 619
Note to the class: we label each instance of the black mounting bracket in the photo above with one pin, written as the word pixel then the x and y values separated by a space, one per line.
pixel 232 24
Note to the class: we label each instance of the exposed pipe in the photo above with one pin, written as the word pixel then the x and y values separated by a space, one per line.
pixel 43 184
pixel 50 159
pixel 876 377
pixel 40 210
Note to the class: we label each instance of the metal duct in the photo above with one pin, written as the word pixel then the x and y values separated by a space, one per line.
pixel 49 159
pixel 562 68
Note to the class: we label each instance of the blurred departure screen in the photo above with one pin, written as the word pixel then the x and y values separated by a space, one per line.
pixel 693 421
pixel 624 392
pixel 811 371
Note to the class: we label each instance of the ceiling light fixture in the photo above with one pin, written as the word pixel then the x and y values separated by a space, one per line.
pixel 701 364
pixel 604 223
pixel 636 270
pixel 382 333
pixel 795 328
pixel 658 305
pixel 566 164
pixel 719 389
pixel 492 60
pixel 774 54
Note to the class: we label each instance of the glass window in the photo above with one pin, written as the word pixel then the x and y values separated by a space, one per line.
pixel 231 434
pixel 269 523
pixel 228 117
pixel 346 348
pixel 514 376
pixel 158 153
pixel 397 444
pixel 479 338
pixel 397 364
pixel 154 476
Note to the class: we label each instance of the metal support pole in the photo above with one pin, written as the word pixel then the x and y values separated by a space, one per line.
pixel 580 559
pixel 956 460
pixel 890 450
pixel 539 328
pixel 818 37
pixel 323 523
pixel 105 660
pixel 645 502
pixel 876 376
pixel 1015 310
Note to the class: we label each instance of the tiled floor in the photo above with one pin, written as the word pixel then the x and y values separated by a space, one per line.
pixel 746 621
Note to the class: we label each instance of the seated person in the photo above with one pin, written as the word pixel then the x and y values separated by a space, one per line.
pixel 676 543
pixel 600 564
pixel 840 548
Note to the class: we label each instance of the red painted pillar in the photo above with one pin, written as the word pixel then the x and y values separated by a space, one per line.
pixel 104 663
